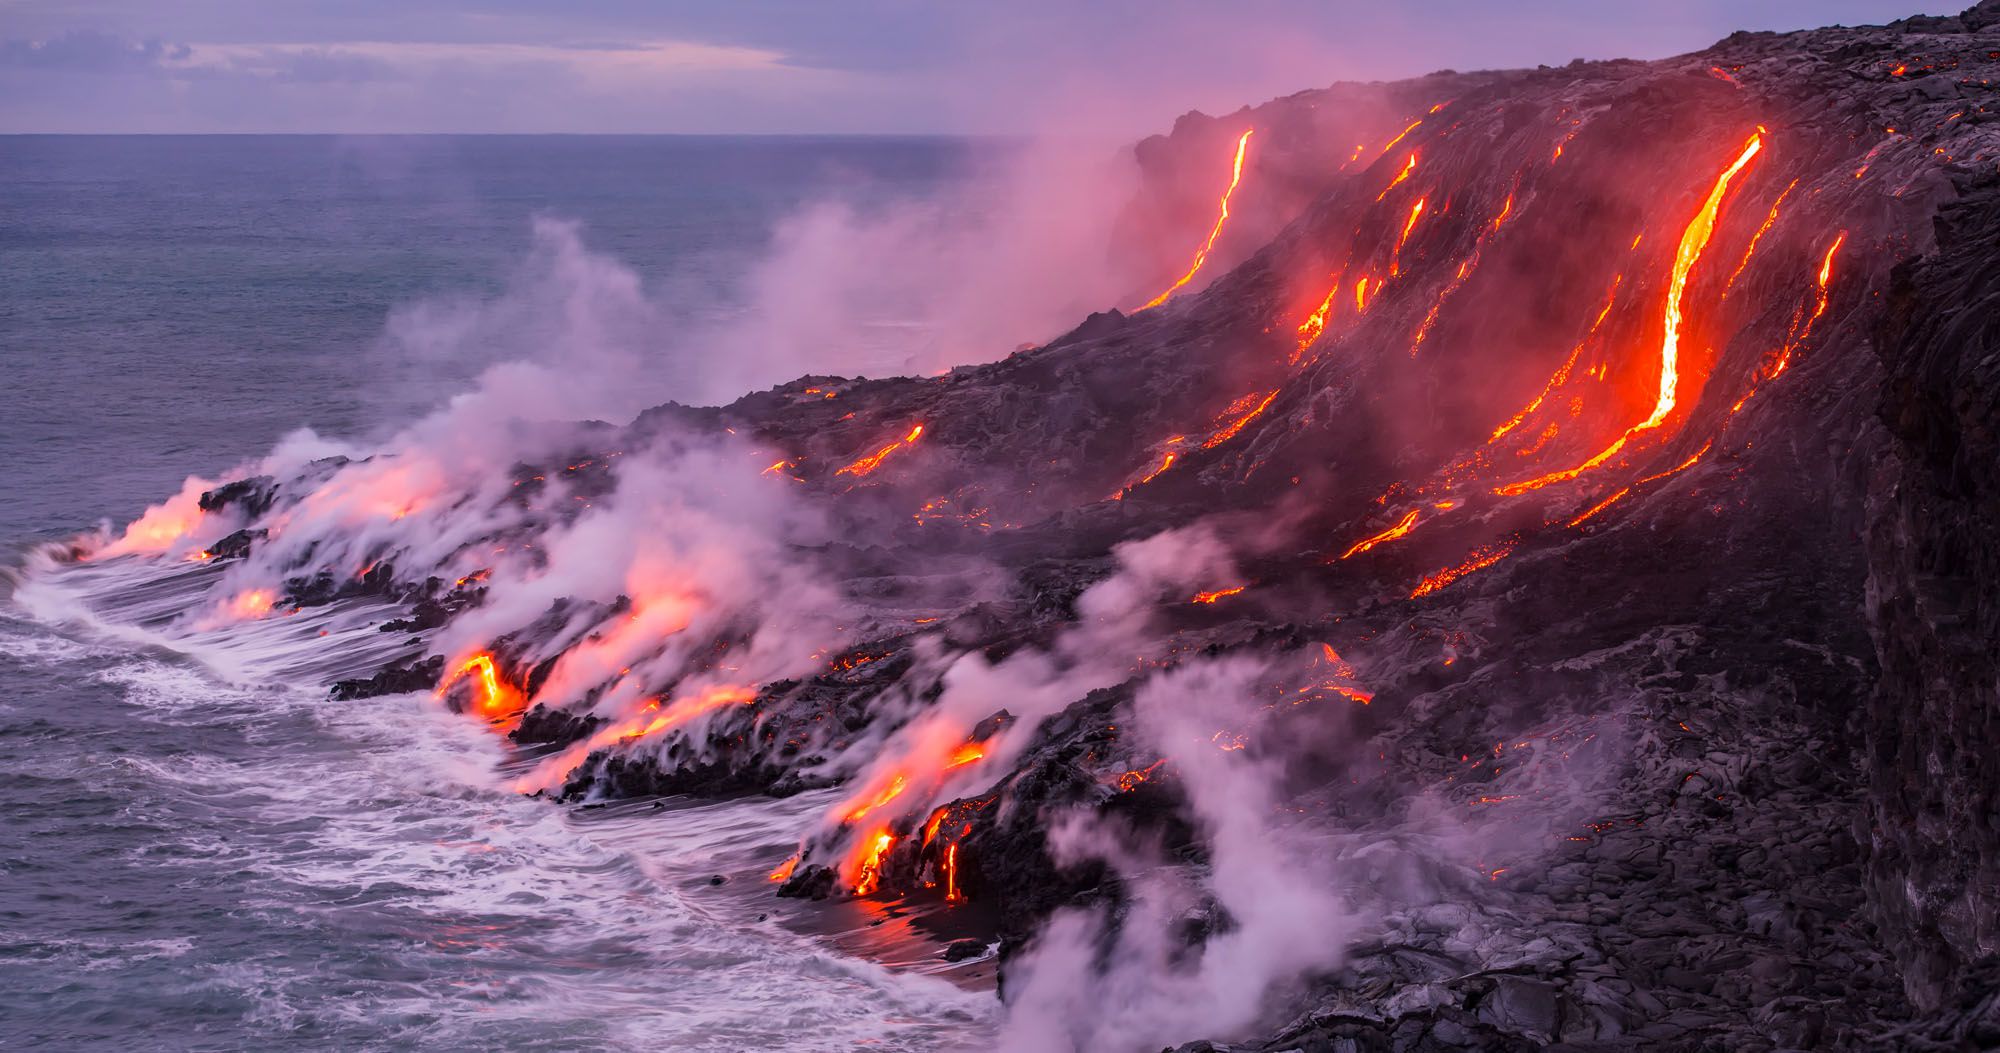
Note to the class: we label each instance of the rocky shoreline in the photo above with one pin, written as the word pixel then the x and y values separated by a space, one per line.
pixel 1691 748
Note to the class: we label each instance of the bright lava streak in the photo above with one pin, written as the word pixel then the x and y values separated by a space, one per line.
pixel 1222 217
pixel 1693 240
pixel 1408 523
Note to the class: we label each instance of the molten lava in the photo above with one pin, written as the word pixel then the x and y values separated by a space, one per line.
pixel 1245 410
pixel 1130 780
pixel 1561 376
pixel 650 720
pixel 1221 218
pixel 1770 219
pixel 884 796
pixel 951 893
pixel 1218 594
pixel 868 871
pixel 874 460
pixel 1402 528
pixel 1409 169
pixel 1396 256
pixel 1477 561
pixel 965 755
pixel 1693 241
pixel 494 698
pixel 1315 323
pixel 247 606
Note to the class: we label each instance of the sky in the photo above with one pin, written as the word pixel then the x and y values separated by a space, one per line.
pixel 786 66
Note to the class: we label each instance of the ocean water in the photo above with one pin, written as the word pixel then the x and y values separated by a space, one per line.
pixel 198 850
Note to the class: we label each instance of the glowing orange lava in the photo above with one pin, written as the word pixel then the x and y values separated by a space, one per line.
pixel 650 720
pixel 951 893
pixel 1693 241
pixel 1256 405
pixel 1621 494
pixel 874 460
pixel 1409 168
pixel 887 794
pixel 495 698
pixel 1400 136
pixel 1751 249
pixel 868 874
pixel 1315 323
pixel 1130 780
pixel 1402 528
pixel 1561 376
pixel 1396 256
pixel 1218 594
pixel 1477 561
pixel 784 871
pixel 1222 217
pixel 245 606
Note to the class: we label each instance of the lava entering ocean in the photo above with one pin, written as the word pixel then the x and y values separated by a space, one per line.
pixel 1528 406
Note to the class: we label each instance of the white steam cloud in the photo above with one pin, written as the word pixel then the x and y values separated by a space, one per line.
pixel 1092 981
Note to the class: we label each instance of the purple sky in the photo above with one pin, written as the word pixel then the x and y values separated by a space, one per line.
pixel 784 65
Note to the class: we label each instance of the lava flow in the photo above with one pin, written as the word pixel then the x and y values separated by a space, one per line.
pixel 1221 218
pixel 495 698
pixel 867 464
pixel 1693 241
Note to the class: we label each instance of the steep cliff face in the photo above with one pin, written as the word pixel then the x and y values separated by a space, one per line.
pixel 1934 595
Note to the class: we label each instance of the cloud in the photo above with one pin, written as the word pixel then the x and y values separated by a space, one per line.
pixel 1118 66
pixel 90 81
pixel 86 51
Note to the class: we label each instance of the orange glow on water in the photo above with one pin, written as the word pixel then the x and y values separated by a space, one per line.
pixel 161 527
pixel 1221 218
pixel 785 869
pixel 247 606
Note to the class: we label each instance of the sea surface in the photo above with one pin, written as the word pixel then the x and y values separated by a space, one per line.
pixel 199 851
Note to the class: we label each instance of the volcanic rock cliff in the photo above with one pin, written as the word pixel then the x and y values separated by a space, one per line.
pixel 1598 464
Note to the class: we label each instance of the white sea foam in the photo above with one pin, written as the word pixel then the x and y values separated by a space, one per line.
pixel 501 919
